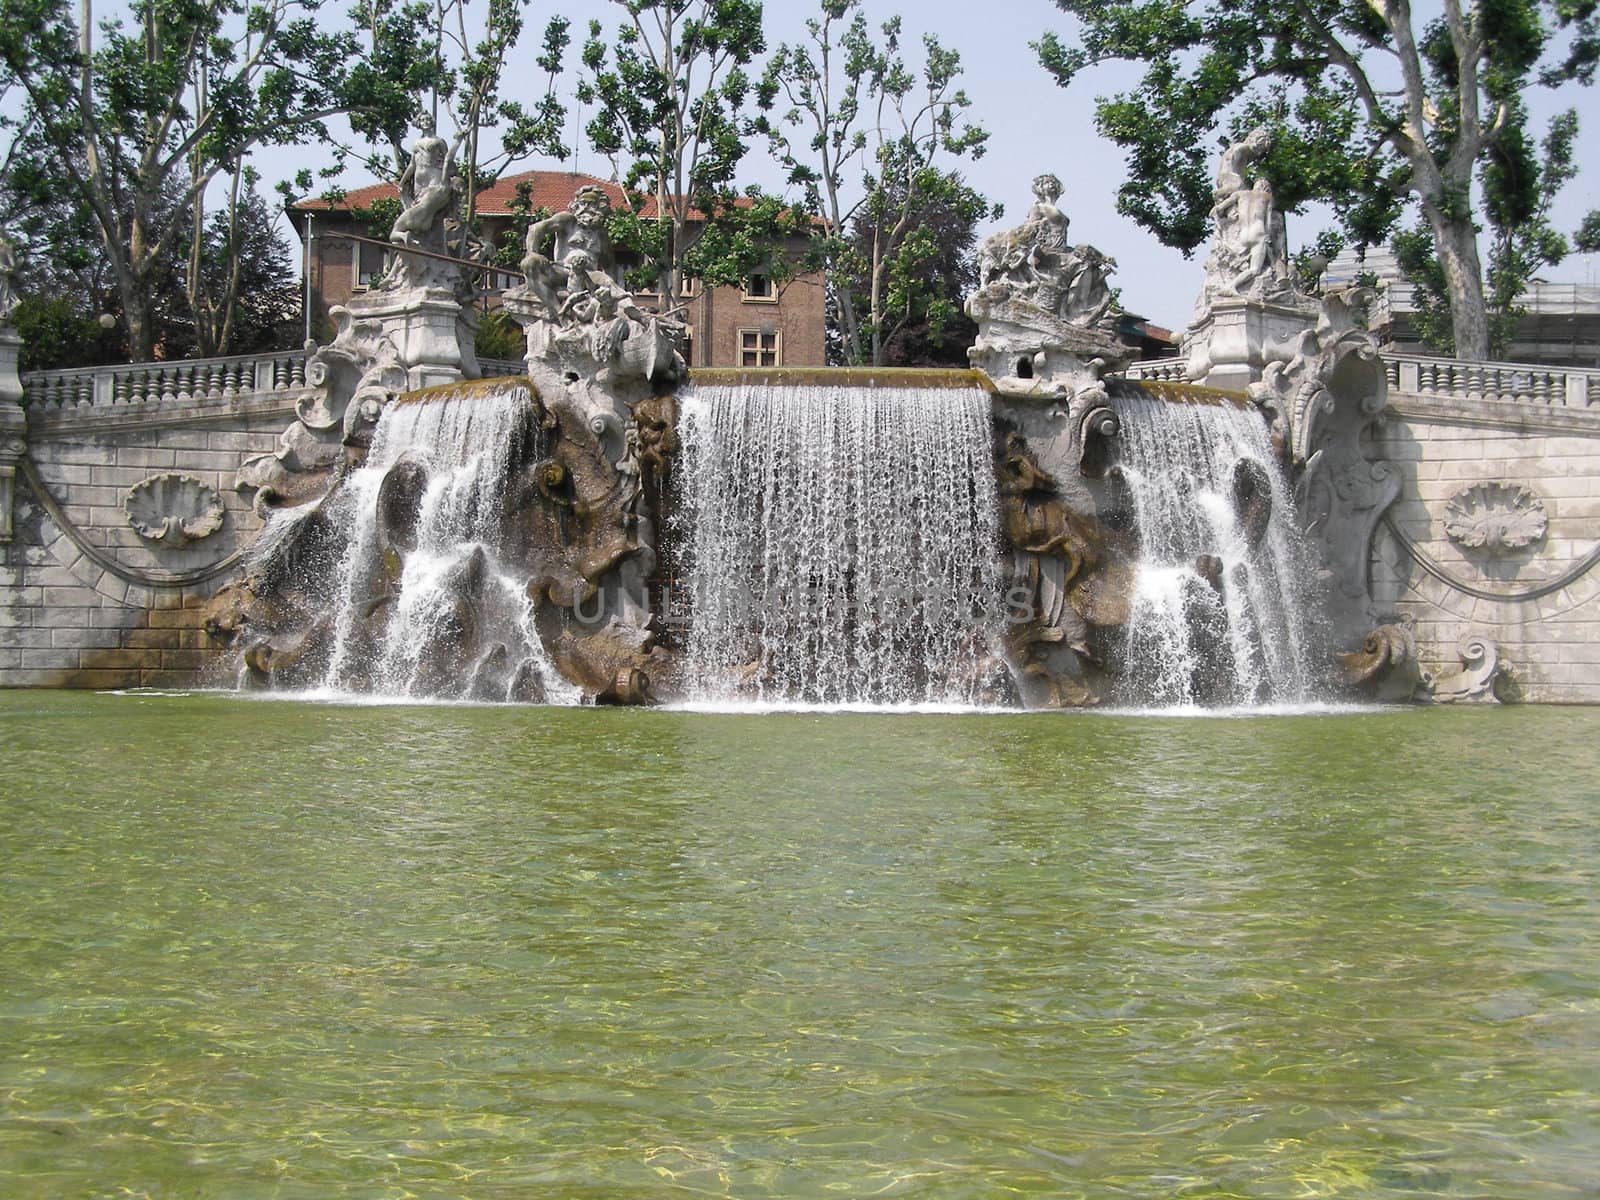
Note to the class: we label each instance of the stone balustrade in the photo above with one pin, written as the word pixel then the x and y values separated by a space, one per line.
pixel 1515 383
pixel 176 382
pixel 184 380
pixel 1162 370
pixel 493 368
pixel 1450 379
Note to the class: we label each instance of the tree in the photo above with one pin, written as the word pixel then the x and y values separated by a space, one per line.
pixel 1369 111
pixel 919 321
pixel 239 276
pixel 856 105
pixel 452 55
pixel 671 96
pixel 168 99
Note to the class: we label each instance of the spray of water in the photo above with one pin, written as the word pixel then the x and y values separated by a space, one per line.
pixel 467 444
pixel 1189 642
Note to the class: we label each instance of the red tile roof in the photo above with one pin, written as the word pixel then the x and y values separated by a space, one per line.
pixel 552 190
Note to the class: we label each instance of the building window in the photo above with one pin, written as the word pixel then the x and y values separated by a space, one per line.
pixel 759 348
pixel 367 263
pixel 688 346
pixel 759 288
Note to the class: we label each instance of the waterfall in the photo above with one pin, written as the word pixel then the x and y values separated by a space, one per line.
pixel 838 544
pixel 467 445
pixel 1244 638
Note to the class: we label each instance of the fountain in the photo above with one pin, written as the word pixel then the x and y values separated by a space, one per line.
pixel 1036 531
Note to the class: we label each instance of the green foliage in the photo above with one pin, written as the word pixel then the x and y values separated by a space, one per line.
pixel 1321 75
pixel 500 337
pixel 845 114
pixel 58 331
pixel 144 110
pixel 670 95
pixel 1586 240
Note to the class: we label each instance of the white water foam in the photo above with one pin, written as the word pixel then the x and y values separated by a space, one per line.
pixel 467 444
pixel 1186 643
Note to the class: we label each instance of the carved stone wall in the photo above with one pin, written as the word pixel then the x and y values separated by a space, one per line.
pixel 1531 474
pixel 86 600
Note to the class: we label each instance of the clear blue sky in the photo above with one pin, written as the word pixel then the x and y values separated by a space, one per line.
pixel 1036 126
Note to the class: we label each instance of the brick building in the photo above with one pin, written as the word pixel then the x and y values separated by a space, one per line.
pixel 759 325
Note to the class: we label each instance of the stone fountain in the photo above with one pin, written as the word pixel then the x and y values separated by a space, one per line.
pixel 1039 530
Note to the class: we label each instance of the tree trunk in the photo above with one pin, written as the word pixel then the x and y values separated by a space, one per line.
pixel 1456 244
pixel 136 320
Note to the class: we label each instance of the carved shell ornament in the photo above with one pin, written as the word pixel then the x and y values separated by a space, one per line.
pixel 1497 517
pixel 173 509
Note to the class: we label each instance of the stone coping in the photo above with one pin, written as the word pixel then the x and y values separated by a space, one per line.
pixel 856 377
pixel 467 389
pixel 87 420
pixel 1176 393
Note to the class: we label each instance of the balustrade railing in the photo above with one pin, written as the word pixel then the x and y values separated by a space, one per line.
pixel 493 368
pixel 1450 379
pixel 176 382
pixel 1515 383
pixel 1165 370
pixel 189 380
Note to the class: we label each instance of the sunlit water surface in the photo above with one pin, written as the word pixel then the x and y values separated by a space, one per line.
pixel 264 949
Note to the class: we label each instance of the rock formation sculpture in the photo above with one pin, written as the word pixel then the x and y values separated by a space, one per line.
pixel 1068 577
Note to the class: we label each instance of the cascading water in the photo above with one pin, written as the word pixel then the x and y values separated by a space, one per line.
pixel 1241 635
pixel 465 447
pixel 839 543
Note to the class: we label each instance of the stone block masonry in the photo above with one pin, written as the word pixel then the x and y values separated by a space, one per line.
pixel 1496 532
pixel 86 599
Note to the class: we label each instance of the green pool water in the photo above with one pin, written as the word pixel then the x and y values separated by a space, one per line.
pixel 269 949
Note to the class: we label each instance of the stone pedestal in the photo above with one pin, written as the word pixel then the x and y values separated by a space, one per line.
pixel 13 424
pixel 1232 343
pixel 425 325
pixel 1027 351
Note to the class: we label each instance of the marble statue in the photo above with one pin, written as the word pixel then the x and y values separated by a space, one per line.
pixel 579 317
pixel 1035 263
pixel 581 250
pixel 8 271
pixel 428 190
pixel 1047 319
pixel 1249 255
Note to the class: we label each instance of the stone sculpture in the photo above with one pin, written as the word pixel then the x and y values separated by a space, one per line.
pixel 173 508
pixel 1068 577
pixel 1249 255
pixel 1046 317
pixel 427 190
pixel 1322 404
pixel 1384 667
pixel 8 270
pixel 13 421
pixel 1495 517
pixel 582 325
pixel 348 383
pixel 1482 677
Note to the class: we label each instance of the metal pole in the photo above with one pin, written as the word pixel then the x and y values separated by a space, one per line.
pixel 310 238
